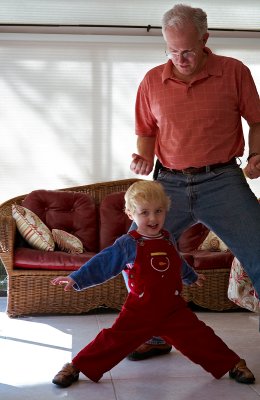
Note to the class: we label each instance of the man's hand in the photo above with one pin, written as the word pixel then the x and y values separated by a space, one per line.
pixel 63 280
pixel 140 165
pixel 252 170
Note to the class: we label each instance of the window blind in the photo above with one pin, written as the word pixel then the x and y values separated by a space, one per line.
pixel 234 14
pixel 67 103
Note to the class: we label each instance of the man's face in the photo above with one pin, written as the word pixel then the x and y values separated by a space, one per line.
pixel 185 48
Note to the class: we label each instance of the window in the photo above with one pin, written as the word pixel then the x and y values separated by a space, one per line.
pixel 67 99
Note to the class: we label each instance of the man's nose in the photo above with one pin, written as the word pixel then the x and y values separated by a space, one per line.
pixel 181 57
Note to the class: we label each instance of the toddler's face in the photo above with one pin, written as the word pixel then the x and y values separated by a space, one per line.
pixel 149 218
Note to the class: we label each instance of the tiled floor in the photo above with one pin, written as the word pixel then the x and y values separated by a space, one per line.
pixel 33 349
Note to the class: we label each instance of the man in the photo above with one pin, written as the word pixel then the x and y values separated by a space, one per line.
pixel 188 115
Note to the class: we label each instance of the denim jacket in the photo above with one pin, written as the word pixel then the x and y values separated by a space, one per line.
pixel 112 260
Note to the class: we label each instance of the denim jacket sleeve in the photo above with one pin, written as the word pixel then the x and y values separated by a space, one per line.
pixel 188 273
pixel 106 264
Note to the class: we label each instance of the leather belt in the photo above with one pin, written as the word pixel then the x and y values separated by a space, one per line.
pixel 199 170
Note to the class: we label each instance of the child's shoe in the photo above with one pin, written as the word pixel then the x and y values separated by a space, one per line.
pixel 241 373
pixel 66 376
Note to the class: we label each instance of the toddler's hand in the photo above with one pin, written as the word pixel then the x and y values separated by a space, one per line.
pixel 200 281
pixel 63 280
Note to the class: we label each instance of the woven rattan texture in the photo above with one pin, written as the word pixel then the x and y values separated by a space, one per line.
pixel 29 292
pixel 213 294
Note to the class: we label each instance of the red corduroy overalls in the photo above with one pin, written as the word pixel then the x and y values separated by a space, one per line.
pixel 154 307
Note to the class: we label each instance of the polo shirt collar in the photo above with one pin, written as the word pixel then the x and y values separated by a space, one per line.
pixel 213 67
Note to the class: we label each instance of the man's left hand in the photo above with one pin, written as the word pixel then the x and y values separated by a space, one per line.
pixel 252 170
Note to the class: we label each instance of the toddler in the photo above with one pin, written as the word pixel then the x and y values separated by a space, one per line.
pixel 154 305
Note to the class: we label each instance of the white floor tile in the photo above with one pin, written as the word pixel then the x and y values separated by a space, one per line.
pixel 33 349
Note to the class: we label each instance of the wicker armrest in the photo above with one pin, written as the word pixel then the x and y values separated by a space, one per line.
pixel 7 237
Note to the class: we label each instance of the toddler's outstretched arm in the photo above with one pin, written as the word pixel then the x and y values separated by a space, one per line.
pixel 64 280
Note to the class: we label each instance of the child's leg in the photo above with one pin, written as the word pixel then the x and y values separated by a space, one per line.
pixel 199 343
pixel 111 345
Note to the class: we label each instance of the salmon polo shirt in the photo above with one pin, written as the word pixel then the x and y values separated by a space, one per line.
pixel 197 123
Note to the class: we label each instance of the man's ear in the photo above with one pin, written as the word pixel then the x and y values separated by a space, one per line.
pixel 205 38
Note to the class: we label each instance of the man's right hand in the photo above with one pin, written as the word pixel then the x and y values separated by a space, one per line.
pixel 140 165
pixel 252 169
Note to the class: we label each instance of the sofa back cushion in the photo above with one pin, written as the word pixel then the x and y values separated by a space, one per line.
pixel 192 238
pixel 113 220
pixel 72 212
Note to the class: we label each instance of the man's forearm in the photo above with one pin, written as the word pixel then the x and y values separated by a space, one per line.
pixel 145 147
pixel 254 138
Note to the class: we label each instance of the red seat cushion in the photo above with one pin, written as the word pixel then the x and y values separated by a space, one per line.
pixel 72 212
pixel 49 260
pixel 203 259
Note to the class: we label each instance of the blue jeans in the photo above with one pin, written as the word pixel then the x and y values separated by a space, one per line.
pixel 223 201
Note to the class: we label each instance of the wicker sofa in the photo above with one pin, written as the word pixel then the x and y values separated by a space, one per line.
pixel 215 265
pixel 30 291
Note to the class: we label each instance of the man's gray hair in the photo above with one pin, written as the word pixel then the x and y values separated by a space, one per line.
pixel 181 14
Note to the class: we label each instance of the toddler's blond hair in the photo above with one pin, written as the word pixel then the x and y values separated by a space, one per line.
pixel 145 192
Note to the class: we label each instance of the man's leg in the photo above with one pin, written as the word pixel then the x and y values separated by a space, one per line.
pixel 232 211
pixel 222 200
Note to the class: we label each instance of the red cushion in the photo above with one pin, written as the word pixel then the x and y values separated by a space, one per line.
pixel 113 220
pixel 72 212
pixel 49 260
pixel 192 238
pixel 203 259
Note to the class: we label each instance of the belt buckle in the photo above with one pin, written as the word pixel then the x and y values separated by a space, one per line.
pixel 189 170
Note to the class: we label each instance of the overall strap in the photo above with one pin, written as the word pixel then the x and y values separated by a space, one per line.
pixel 165 233
pixel 135 235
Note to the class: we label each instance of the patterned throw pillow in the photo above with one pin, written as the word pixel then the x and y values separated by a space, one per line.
pixel 67 242
pixel 213 243
pixel 240 288
pixel 32 229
